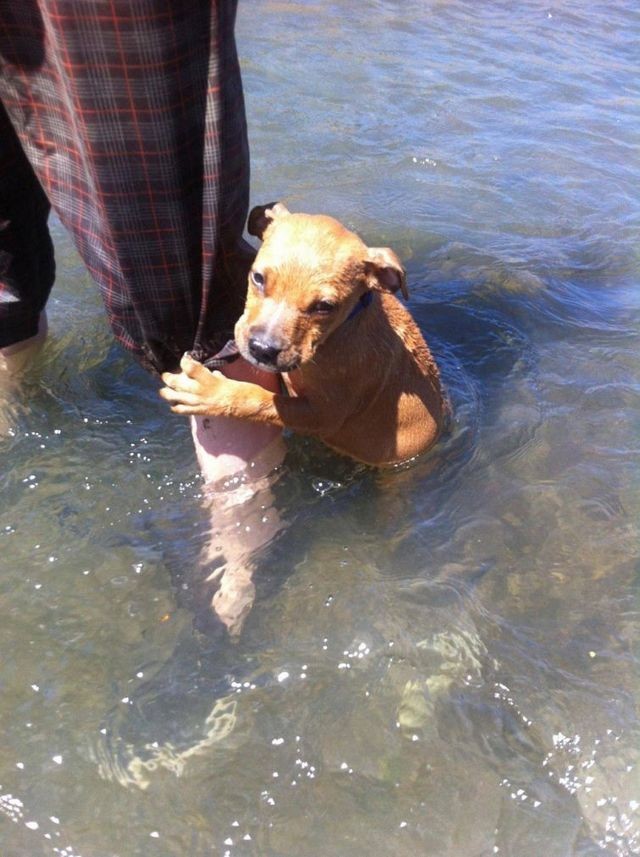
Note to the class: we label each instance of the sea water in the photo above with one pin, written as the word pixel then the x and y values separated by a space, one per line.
pixel 441 660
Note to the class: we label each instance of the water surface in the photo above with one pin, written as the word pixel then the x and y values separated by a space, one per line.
pixel 441 660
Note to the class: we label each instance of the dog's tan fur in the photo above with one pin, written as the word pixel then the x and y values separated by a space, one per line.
pixel 367 385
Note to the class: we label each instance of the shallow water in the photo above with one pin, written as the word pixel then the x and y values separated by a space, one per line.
pixel 441 660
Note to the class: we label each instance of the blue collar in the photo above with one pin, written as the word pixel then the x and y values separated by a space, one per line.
pixel 364 302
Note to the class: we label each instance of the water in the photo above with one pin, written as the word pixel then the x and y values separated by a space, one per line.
pixel 442 660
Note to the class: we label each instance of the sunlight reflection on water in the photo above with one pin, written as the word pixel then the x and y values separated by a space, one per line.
pixel 441 660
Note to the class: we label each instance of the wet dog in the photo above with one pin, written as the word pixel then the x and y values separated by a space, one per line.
pixel 321 311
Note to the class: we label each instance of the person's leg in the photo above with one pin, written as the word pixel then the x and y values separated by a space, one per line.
pixel 227 447
pixel 236 459
pixel 134 124
pixel 15 358
pixel 140 144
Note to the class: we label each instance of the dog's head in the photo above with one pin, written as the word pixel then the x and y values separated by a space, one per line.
pixel 308 276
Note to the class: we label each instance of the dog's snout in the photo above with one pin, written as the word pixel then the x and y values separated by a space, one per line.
pixel 262 351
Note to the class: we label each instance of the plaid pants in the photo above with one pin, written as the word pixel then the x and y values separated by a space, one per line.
pixel 127 116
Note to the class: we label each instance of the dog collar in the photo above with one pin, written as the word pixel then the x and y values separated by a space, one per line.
pixel 364 302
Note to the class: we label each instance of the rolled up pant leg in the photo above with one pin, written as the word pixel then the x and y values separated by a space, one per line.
pixel 131 114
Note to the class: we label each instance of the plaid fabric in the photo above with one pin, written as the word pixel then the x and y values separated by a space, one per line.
pixel 131 114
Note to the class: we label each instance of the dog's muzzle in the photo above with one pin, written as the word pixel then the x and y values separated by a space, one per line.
pixel 269 355
pixel 265 353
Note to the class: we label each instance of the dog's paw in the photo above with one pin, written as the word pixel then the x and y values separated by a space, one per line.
pixel 194 390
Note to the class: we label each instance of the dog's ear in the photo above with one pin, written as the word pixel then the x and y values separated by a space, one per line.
pixel 385 271
pixel 262 215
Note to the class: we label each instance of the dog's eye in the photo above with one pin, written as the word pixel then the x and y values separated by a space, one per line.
pixel 322 307
pixel 257 279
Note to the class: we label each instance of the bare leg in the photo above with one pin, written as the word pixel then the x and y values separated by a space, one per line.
pixel 236 458
pixel 14 359
pixel 226 447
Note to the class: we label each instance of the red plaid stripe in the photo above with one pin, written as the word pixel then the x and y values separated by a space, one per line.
pixel 131 114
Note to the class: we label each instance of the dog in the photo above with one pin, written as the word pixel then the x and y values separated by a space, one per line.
pixel 321 311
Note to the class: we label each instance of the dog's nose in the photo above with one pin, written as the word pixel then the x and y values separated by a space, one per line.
pixel 263 352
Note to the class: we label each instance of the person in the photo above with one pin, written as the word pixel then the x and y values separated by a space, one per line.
pixel 127 117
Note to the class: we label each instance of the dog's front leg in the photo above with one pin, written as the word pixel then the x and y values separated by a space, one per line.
pixel 198 391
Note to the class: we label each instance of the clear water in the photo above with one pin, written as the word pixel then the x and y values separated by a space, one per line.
pixel 440 661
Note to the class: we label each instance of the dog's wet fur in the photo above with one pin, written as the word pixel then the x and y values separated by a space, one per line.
pixel 321 311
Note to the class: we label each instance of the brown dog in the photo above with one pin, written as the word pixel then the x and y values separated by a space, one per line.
pixel 320 311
